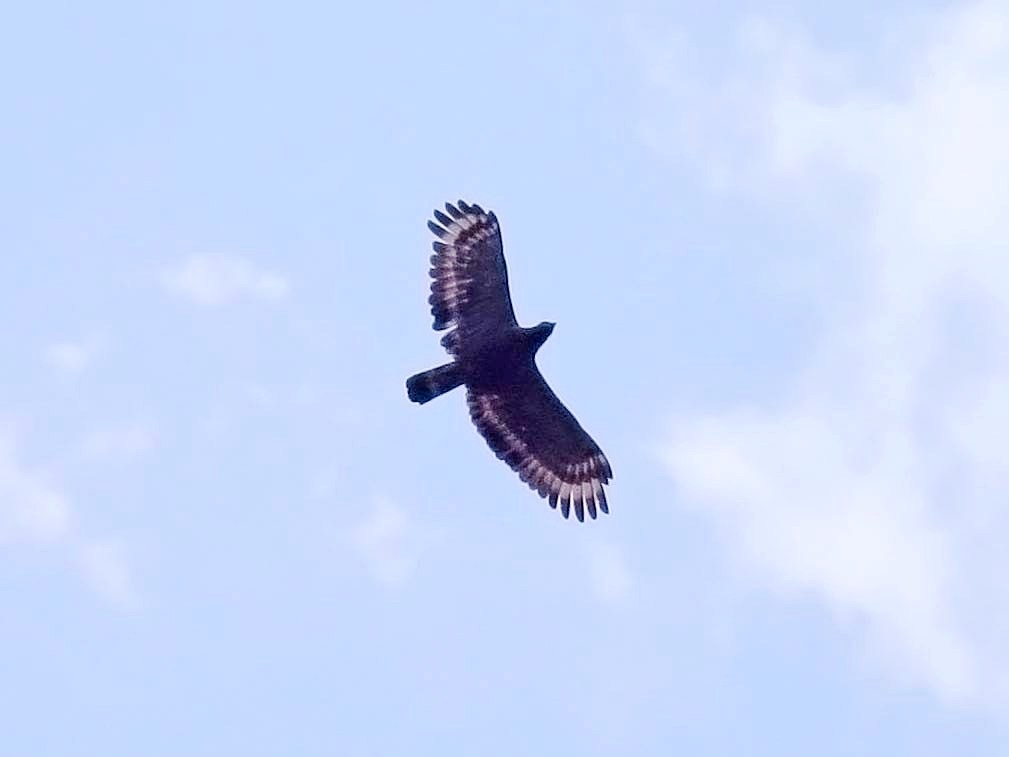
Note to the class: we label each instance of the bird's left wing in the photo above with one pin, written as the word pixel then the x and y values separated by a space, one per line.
pixel 528 427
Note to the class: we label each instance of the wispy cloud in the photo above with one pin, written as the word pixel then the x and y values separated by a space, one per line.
pixel 71 356
pixel 220 280
pixel 388 542
pixel 32 509
pixel 107 571
pixel 35 511
pixel 610 578
pixel 878 484
pixel 118 442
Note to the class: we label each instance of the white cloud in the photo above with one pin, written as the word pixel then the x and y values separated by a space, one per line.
pixel 118 443
pixel 879 485
pixel 325 482
pixel 107 571
pixel 220 280
pixel 609 575
pixel 71 356
pixel 833 518
pixel 32 509
pixel 387 541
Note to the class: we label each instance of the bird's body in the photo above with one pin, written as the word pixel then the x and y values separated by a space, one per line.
pixel 511 404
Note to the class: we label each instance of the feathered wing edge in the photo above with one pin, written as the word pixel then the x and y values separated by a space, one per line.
pixel 576 484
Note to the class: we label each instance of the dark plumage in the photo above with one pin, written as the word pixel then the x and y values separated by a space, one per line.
pixel 509 400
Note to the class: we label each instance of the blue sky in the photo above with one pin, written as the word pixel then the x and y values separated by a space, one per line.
pixel 774 242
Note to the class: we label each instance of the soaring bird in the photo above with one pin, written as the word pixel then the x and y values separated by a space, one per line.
pixel 509 401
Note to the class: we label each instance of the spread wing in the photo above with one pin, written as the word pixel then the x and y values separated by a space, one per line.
pixel 470 287
pixel 531 430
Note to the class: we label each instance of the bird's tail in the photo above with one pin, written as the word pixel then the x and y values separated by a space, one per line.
pixel 425 386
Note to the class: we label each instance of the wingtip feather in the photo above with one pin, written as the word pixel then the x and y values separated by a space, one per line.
pixel 576 500
pixel 587 497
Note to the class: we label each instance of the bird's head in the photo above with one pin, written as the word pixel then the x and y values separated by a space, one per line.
pixel 539 333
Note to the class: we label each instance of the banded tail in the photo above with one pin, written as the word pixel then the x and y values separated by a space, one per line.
pixel 424 387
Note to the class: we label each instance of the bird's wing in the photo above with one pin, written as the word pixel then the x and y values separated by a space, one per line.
pixel 470 287
pixel 531 430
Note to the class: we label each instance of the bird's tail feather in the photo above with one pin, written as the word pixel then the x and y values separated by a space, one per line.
pixel 425 386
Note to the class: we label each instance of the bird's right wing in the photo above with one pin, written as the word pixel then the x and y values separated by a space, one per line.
pixel 529 428
pixel 470 287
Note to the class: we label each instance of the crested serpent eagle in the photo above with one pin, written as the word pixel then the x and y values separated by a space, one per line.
pixel 509 401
